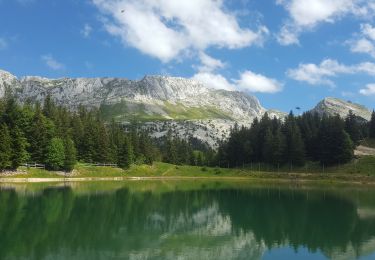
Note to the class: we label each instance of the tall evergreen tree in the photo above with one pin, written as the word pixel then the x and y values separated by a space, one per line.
pixel 19 144
pixel 5 148
pixel 40 134
pixel 294 145
pixel 335 145
pixel 372 125
pixel 353 128
pixel 126 154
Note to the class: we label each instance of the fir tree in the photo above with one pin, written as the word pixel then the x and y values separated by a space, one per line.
pixel 40 134
pixel 19 144
pixel 352 127
pixel 335 145
pixel 5 148
pixel 372 125
pixel 126 154
pixel 294 145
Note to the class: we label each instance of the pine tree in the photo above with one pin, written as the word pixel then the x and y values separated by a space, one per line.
pixel 335 145
pixel 41 132
pixel 5 148
pixel 352 127
pixel 55 157
pixel 126 154
pixel 70 154
pixel 49 108
pixel 372 125
pixel 19 144
pixel 102 144
pixel 274 147
pixel 294 145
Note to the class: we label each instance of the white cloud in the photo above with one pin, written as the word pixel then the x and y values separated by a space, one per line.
pixel 166 29
pixel 369 90
pixel 3 44
pixel 287 35
pixel 213 80
pixel 305 15
pixel 258 83
pixel 86 31
pixel 209 63
pixel 248 81
pixel 52 63
pixel 321 74
pixel 365 41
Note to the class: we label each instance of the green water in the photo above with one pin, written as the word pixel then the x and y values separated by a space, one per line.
pixel 185 220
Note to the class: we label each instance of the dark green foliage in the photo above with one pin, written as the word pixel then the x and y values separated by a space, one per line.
pixel 335 145
pixel 126 154
pixel 353 128
pixel 372 125
pixel 5 148
pixel 40 134
pixel 57 137
pixel 294 146
pixel 290 142
pixel 55 157
pixel 19 145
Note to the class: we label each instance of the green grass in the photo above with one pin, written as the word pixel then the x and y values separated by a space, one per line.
pixel 359 170
pixel 180 112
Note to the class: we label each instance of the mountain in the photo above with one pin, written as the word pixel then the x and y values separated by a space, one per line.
pixel 333 106
pixel 186 106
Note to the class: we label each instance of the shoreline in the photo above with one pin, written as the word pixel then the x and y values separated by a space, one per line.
pixel 354 180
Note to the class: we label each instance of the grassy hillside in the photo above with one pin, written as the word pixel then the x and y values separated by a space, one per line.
pixel 125 110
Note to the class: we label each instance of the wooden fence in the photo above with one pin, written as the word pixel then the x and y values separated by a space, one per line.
pixel 34 165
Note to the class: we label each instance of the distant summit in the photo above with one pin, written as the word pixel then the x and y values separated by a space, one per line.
pixel 332 106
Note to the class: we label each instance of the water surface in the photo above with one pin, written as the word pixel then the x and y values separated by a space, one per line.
pixel 186 220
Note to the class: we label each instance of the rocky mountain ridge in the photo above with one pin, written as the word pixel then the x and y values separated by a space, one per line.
pixel 161 103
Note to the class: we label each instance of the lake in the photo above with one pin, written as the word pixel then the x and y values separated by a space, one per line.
pixel 186 220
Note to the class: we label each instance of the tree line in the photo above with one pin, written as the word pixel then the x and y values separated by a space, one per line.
pixel 310 137
pixel 52 135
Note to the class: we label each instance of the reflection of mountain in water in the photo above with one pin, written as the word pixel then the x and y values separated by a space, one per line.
pixel 201 224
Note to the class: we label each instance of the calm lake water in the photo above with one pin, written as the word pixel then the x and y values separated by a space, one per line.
pixel 185 220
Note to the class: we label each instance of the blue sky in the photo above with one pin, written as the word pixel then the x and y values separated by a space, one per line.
pixel 288 53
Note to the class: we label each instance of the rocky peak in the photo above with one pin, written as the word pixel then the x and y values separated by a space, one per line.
pixel 332 106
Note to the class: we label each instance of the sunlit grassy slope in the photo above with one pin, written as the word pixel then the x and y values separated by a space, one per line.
pixel 124 110
pixel 362 167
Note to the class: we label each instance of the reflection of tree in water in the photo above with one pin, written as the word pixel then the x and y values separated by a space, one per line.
pixel 203 223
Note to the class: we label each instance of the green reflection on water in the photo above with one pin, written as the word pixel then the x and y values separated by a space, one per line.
pixel 190 219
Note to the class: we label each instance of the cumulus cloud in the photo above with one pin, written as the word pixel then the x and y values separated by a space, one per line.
pixel 3 44
pixel 209 63
pixel 322 73
pixel 214 80
pixel 258 83
pixel 305 15
pixel 52 63
pixel 209 76
pixel 86 30
pixel 364 42
pixel 166 29
pixel 369 90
